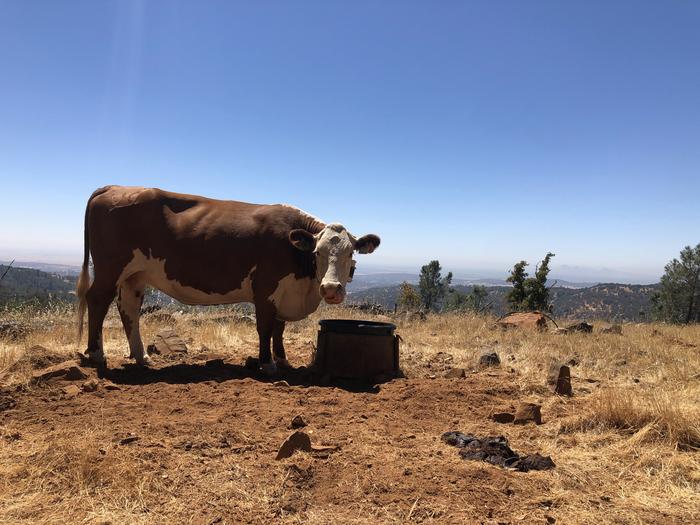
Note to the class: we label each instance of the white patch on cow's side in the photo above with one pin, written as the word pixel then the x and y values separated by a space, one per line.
pixel 154 274
pixel 295 298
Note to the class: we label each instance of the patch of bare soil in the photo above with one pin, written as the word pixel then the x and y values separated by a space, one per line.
pixel 196 442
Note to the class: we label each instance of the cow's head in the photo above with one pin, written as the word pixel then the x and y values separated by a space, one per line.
pixel 333 247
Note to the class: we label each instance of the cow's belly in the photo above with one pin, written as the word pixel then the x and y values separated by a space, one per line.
pixel 295 298
pixel 152 272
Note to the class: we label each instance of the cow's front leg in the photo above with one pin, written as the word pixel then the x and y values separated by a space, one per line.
pixel 278 345
pixel 265 321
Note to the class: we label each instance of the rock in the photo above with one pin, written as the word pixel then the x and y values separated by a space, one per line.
pixel 489 359
pixel 583 327
pixel 561 380
pixel 13 330
pixel 128 439
pixel 108 385
pixel 528 320
pixel 456 373
pixel 75 373
pixel 614 329
pixel 91 385
pixel 67 370
pixel 296 441
pixel 534 462
pixel 503 417
pixel 280 383
pixel 167 343
pixel 71 390
pixel 528 412
pixel 298 421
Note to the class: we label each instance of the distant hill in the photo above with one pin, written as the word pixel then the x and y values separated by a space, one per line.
pixel 24 284
pixel 601 301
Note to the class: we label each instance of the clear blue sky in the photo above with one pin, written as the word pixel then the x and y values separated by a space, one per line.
pixel 478 133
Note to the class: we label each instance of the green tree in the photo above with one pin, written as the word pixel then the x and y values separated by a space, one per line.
pixel 530 293
pixel 678 300
pixel 432 286
pixel 409 299
pixel 474 301
pixel 516 296
pixel 536 291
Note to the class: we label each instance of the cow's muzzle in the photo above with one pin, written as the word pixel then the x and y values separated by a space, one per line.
pixel 332 293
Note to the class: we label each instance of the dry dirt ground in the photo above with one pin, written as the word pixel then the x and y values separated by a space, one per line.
pixel 187 442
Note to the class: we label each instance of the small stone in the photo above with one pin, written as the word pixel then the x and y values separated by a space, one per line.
pixel 563 382
pixel 167 342
pixel 75 373
pixel 489 359
pixel 280 383
pixel 71 390
pixel 91 385
pixel 128 439
pixel 528 412
pixel 456 373
pixel 503 417
pixel 296 441
pixel 582 327
pixel 108 385
pixel 298 421
pixel 66 370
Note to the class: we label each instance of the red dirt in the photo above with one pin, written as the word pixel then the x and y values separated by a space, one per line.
pixel 207 437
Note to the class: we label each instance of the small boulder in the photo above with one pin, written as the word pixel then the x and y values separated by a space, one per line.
pixel 91 385
pixel 66 370
pixel 282 383
pixel 167 343
pixel 562 381
pixel 503 417
pixel 296 441
pixel 489 359
pixel 528 412
pixel 582 327
pixel 71 391
pixel 527 320
pixel 298 421
pixel 456 373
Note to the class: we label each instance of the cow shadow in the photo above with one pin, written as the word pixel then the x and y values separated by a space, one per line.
pixel 188 373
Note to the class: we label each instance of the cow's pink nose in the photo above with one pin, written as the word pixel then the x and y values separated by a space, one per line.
pixel 330 290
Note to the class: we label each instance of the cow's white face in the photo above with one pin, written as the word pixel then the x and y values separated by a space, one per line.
pixel 333 248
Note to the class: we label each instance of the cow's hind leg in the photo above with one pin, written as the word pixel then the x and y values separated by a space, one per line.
pixel 98 297
pixel 265 313
pixel 278 345
pixel 129 300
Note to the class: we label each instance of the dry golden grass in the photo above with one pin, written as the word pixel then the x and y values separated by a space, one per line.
pixel 630 434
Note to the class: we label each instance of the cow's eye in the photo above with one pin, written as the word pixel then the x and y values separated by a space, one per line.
pixel 352 271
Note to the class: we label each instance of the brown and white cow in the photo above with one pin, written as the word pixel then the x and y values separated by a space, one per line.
pixel 205 251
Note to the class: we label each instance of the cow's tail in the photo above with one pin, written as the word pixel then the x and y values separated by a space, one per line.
pixel 83 285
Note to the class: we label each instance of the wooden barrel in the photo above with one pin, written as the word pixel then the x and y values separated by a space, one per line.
pixel 357 349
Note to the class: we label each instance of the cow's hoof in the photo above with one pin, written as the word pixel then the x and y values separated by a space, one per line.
pixel 144 361
pixel 93 359
pixel 269 369
pixel 282 363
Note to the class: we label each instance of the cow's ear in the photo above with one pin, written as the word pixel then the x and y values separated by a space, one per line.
pixel 302 240
pixel 367 243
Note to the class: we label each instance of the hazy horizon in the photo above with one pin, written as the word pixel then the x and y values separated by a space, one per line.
pixel 474 133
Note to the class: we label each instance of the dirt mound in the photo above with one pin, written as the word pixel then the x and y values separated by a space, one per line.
pixel 37 357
